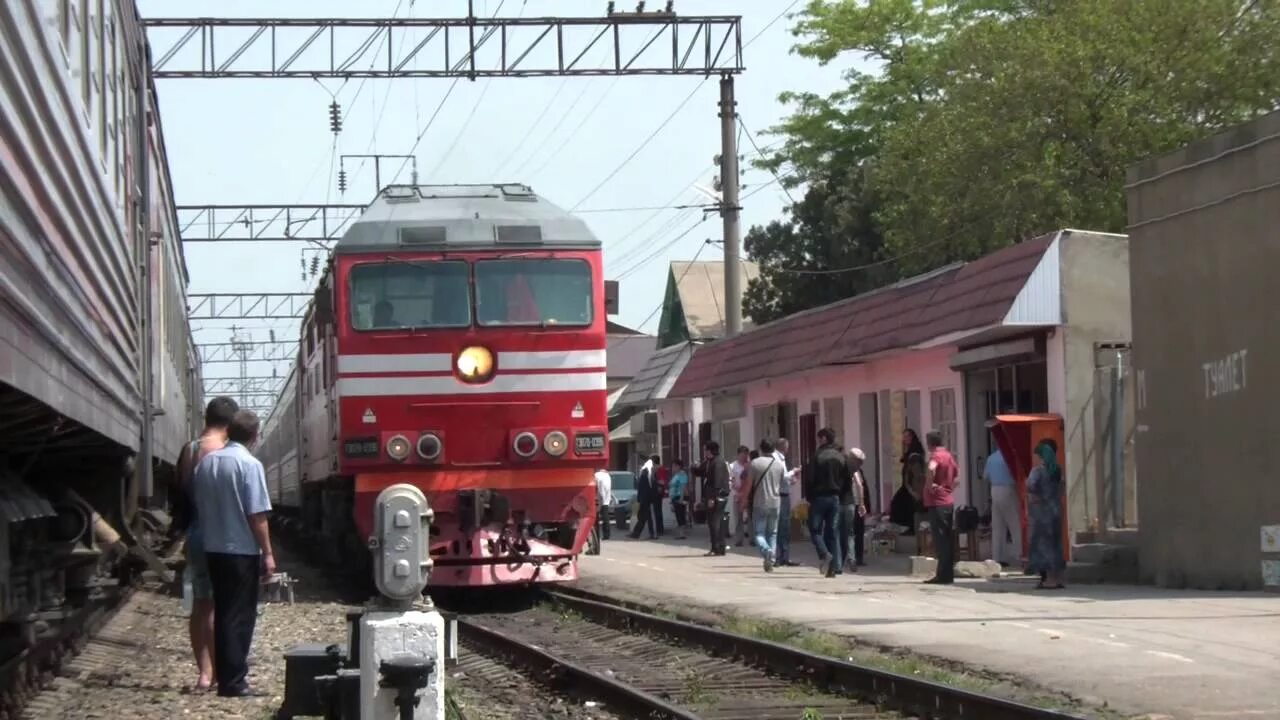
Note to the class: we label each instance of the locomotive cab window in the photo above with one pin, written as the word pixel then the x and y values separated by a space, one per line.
pixel 417 294
pixel 533 291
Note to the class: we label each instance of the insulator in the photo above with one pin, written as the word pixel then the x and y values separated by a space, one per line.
pixel 335 117
pixel 315 265
pixel 671 6
pixel 273 335
pixel 609 10
pixel 342 181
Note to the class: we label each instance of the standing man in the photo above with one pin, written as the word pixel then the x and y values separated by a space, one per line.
pixel 766 478
pixel 715 490
pixel 783 553
pixel 940 484
pixel 827 479
pixel 853 512
pixel 1005 515
pixel 217 416
pixel 230 490
pixel 739 494
pixel 604 502
pixel 646 497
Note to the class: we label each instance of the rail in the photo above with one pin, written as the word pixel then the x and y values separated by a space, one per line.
pixel 901 692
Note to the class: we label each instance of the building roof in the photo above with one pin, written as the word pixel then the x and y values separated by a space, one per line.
pixel 944 302
pixel 699 287
pixel 656 378
pixel 627 354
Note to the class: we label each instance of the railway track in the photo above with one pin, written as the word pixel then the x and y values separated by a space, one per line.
pixel 643 665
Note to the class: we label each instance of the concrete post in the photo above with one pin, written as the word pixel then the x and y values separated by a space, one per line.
pixel 729 208
pixel 388 635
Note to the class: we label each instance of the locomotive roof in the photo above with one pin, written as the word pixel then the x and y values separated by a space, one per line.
pixel 408 217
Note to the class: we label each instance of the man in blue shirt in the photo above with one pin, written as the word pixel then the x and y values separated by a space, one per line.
pixel 230 493
pixel 1005 514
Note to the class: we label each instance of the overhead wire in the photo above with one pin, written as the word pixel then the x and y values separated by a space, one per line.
pixel 661 249
pixel 752 140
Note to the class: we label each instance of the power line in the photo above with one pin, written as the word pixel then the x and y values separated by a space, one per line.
pixel 642 209
pixel 776 18
pixel 752 139
pixel 649 258
pixel 641 146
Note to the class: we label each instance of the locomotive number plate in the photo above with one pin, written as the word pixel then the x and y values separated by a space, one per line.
pixel 589 443
pixel 361 447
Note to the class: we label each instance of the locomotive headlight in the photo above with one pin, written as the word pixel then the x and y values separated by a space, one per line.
pixel 429 446
pixel 398 447
pixel 555 443
pixel 474 364
pixel 525 444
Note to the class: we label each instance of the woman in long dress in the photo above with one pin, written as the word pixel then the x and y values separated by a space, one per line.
pixel 1044 508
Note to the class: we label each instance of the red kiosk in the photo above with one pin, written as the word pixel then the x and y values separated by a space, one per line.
pixel 1017 437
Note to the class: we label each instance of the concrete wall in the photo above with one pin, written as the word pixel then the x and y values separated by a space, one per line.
pixel 1205 249
pixel 922 370
pixel 1095 304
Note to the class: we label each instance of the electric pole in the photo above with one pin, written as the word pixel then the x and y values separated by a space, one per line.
pixel 729 209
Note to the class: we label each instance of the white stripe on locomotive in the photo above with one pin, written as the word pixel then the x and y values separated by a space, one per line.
pixel 449 385
pixel 442 362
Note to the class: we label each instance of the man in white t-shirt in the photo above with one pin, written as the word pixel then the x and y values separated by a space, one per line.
pixel 790 482
pixel 604 502
pixel 739 494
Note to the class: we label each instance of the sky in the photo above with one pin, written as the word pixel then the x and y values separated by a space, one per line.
pixel 244 141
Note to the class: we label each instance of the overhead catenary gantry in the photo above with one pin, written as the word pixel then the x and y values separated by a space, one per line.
pixel 320 224
pixel 446 47
pixel 641 43
pixel 254 351
pixel 247 306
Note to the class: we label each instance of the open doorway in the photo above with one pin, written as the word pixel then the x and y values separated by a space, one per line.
pixel 1005 389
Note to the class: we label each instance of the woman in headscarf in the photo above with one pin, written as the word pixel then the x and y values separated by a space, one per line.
pixel 907 507
pixel 1044 508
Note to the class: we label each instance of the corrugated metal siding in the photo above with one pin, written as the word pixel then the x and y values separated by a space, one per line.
pixel 1039 302
pixel 66 273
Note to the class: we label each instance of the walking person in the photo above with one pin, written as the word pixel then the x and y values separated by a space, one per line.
pixel 1006 515
pixel 679 500
pixel 646 497
pixel 826 479
pixel 853 513
pixel 766 476
pixel 715 491
pixel 739 494
pixel 940 484
pixel 783 553
pixel 1044 505
pixel 218 414
pixel 230 490
pixel 604 502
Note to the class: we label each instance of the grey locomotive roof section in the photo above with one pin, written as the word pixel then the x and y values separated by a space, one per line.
pixel 658 376
pixel 458 217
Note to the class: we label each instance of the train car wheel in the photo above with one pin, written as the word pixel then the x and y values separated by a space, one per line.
pixel 593 542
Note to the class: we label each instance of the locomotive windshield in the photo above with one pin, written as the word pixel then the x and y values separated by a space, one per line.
pixel 410 294
pixel 533 291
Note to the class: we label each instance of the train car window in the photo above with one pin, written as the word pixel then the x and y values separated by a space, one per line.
pixel 420 294
pixel 533 291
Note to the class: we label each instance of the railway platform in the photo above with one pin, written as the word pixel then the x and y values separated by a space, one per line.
pixel 1139 651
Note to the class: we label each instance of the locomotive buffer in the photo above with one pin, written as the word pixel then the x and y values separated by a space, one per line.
pixel 392 666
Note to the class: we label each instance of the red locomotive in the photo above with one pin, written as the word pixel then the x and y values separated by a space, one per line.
pixel 456 342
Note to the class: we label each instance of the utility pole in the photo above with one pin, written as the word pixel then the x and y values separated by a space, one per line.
pixel 729 209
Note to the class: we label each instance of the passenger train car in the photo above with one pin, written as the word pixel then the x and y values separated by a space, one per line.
pixel 98 374
pixel 456 342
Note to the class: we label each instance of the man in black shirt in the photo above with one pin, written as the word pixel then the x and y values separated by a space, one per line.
pixel 826 479
pixel 715 492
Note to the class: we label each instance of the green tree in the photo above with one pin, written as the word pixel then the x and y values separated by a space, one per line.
pixel 803 259
pixel 1042 111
